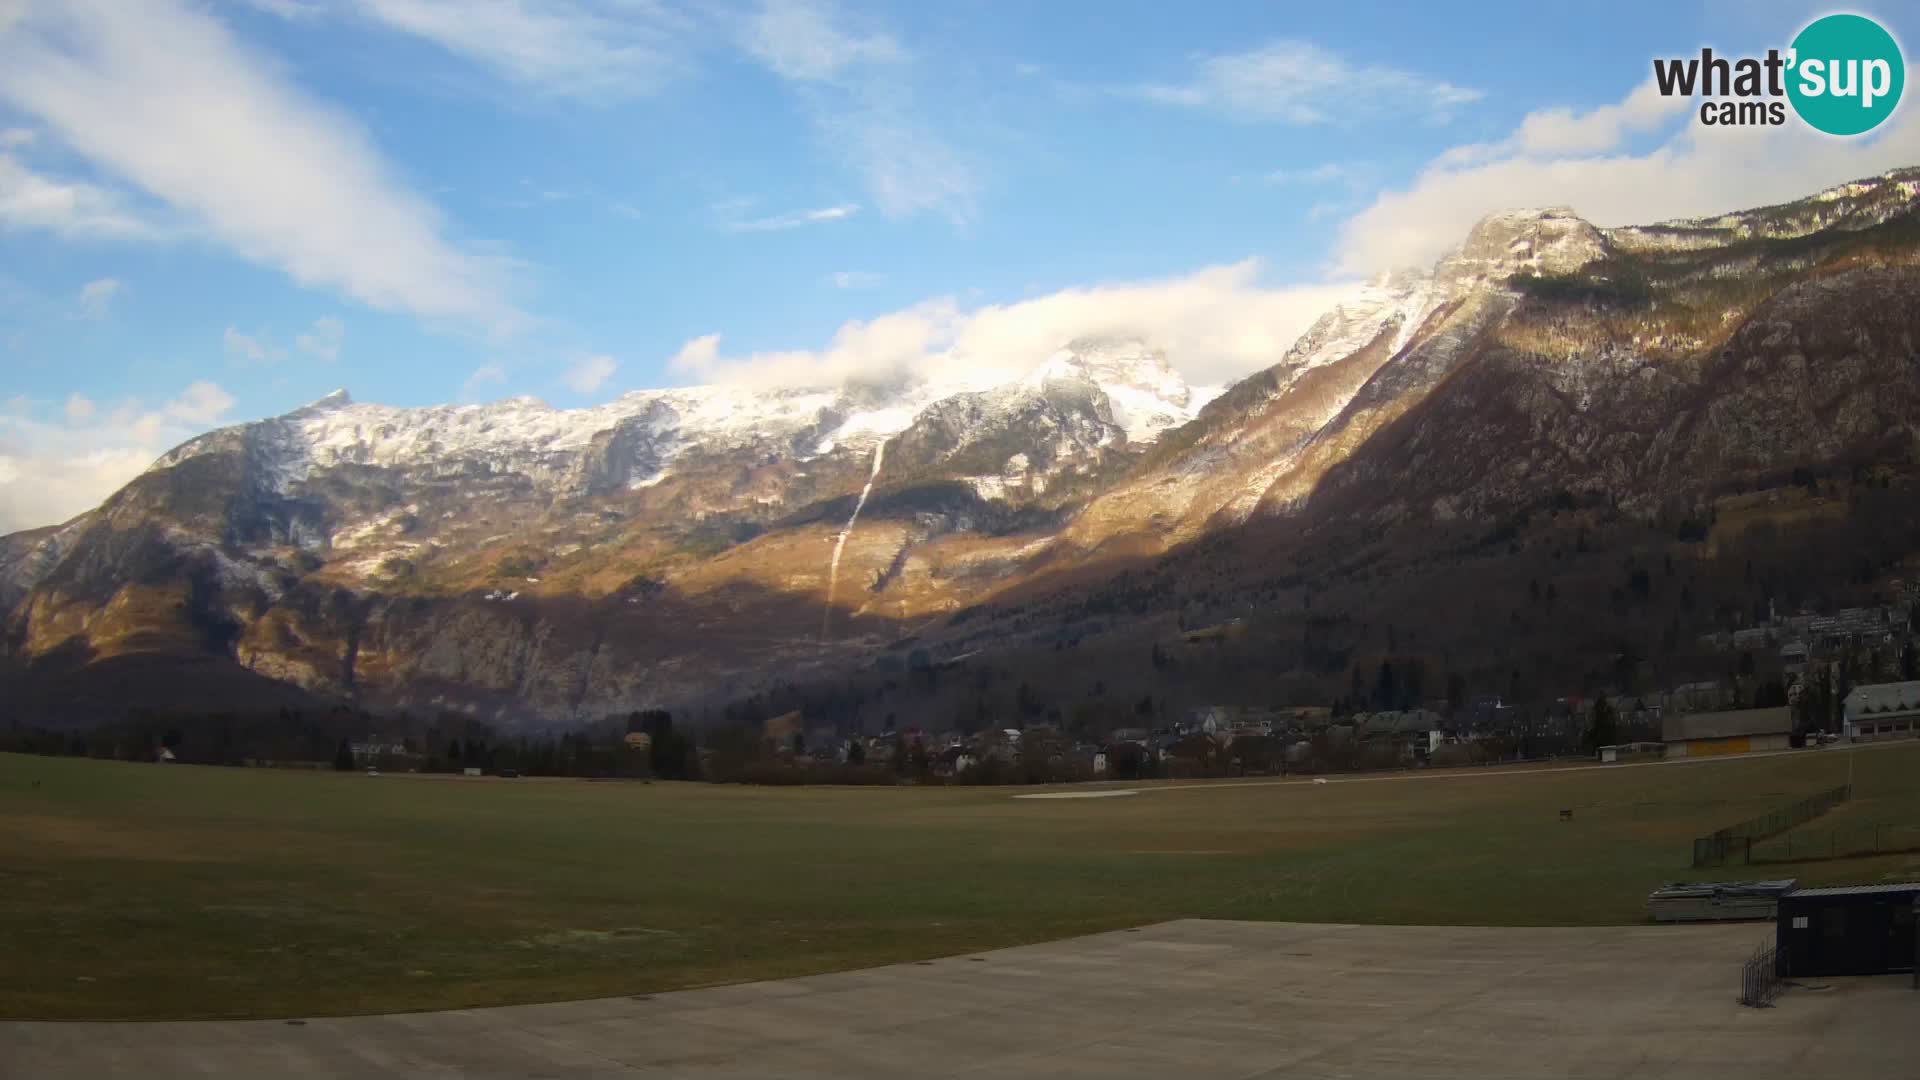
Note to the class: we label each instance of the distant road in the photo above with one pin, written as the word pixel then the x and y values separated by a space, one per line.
pixel 1510 770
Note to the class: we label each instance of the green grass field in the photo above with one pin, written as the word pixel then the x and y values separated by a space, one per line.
pixel 1883 817
pixel 162 891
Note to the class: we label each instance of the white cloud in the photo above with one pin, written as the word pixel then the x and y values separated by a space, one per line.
pixel 854 279
pixel 31 200
pixel 14 138
pixel 780 222
pixel 1560 157
pixel 1218 324
pixel 244 349
pixel 162 94
pixel 1298 82
pixel 590 374
pixel 288 9
pixel 597 51
pixel 202 403
pixel 97 296
pixel 322 341
pixel 484 375
pixel 857 90
pixel 701 356
pixel 58 461
pixel 908 167
pixel 1565 131
pixel 800 40
pixel 1332 172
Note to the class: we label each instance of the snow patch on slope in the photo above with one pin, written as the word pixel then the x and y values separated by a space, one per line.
pixel 650 429
pixel 1145 394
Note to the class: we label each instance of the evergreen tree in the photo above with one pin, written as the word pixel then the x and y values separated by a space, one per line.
pixel 1385 691
pixel 1603 727
pixel 343 757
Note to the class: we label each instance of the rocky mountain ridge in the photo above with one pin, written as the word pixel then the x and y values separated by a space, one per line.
pixel 539 565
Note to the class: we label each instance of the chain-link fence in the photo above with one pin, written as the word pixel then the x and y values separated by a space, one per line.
pixel 1806 845
pixel 1737 840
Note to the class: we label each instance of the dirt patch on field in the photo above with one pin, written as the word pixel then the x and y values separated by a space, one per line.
pixel 592 938
pixel 47 834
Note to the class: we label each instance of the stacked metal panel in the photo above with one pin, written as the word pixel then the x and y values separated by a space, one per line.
pixel 1706 901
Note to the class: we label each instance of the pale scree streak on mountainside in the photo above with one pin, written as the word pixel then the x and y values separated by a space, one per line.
pixel 833 566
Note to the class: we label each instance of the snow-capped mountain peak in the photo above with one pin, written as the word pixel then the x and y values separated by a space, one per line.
pixel 640 434
pixel 1125 385
pixel 1146 394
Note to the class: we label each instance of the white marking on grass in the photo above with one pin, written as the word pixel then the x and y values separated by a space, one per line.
pixel 1076 794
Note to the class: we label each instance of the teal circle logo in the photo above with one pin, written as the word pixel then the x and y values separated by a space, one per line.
pixel 1847 74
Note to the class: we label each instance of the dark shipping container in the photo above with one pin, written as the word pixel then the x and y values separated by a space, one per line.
pixel 1850 930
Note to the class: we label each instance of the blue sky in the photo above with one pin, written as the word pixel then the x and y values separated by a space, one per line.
pixel 214 211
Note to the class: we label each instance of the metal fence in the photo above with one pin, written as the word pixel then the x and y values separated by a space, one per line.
pixel 1716 849
pixel 1806 845
pixel 1761 978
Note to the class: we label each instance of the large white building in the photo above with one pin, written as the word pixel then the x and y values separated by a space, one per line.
pixel 1882 711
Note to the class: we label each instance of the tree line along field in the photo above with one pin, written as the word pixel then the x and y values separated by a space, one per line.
pixel 132 890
